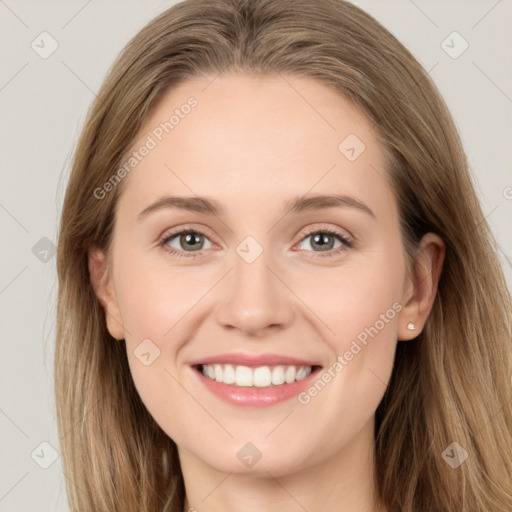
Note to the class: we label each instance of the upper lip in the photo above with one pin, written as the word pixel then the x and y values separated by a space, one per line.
pixel 240 359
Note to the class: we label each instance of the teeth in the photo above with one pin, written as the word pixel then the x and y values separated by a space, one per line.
pixel 261 377
pixel 243 375
pixel 278 375
pixel 228 374
pixel 290 374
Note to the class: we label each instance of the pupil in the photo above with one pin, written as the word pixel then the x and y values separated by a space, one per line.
pixel 191 238
pixel 322 240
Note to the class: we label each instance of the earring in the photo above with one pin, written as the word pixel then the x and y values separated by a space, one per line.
pixel 410 326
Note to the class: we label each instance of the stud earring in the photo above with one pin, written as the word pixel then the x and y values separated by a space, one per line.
pixel 410 326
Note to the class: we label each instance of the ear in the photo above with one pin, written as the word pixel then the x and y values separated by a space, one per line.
pixel 102 284
pixel 421 286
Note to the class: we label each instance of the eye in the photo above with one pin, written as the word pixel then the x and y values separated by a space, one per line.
pixel 184 240
pixel 324 240
pixel 187 241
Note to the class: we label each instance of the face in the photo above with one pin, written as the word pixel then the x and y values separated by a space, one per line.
pixel 323 281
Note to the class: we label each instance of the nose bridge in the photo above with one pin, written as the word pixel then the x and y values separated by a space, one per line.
pixel 252 277
pixel 254 298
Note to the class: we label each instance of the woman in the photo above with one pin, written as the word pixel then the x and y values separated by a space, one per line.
pixel 208 356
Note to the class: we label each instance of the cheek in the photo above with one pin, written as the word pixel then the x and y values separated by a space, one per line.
pixel 154 299
pixel 155 307
pixel 359 312
pixel 360 300
pixel 159 307
pixel 362 309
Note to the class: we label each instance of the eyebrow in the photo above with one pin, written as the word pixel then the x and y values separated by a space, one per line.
pixel 211 207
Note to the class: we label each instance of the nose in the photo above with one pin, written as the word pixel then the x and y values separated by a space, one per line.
pixel 255 297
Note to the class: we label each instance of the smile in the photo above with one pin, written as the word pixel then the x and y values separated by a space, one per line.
pixel 255 386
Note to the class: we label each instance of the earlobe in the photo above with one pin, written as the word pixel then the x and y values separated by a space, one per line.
pixel 102 286
pixel 426 273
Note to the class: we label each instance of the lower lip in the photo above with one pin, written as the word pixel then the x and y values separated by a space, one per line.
pixel 254 396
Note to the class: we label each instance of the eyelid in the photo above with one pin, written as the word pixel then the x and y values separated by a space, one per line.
pixel 329 229
pixel 202 230
pixel 304 232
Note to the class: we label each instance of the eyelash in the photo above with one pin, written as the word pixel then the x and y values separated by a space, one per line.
pixel 347 243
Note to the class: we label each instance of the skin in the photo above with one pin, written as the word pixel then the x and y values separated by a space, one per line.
pixel 251 144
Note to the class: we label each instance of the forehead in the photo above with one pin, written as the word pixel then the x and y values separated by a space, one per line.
pixel 255 139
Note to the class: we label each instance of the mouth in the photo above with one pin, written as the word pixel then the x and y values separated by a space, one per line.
pixel 239 376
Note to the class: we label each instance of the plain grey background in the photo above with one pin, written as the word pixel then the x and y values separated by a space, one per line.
pixel 43 103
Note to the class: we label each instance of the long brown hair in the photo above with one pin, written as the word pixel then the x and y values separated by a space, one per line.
pixel 451 384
